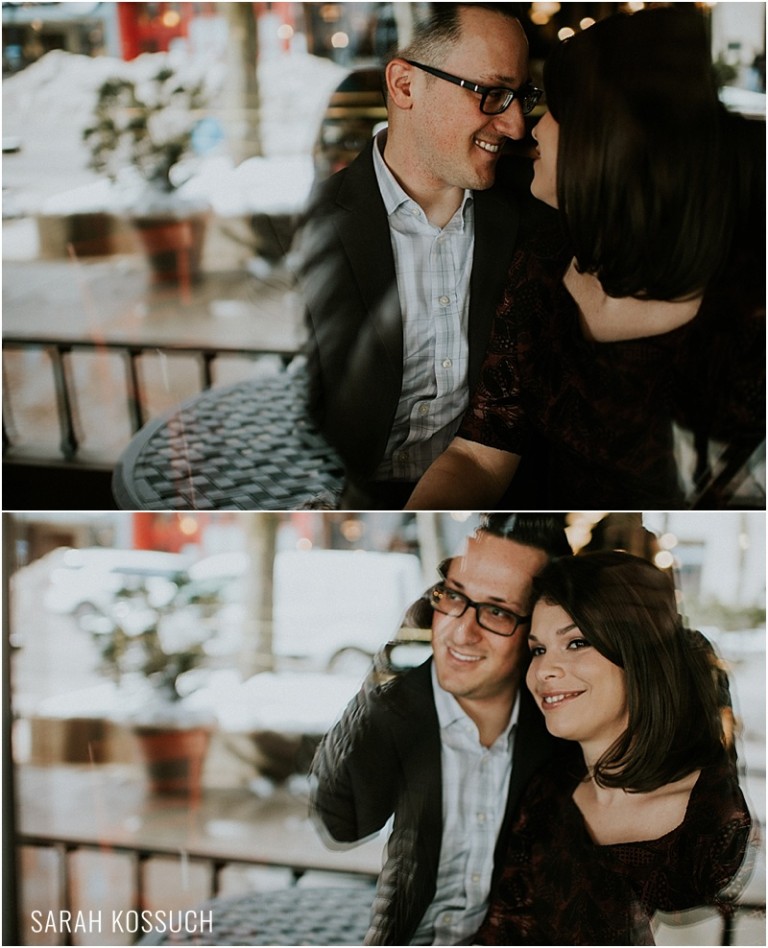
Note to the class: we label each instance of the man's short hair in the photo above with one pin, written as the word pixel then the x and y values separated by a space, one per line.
pixel 543 531
pixel 434 36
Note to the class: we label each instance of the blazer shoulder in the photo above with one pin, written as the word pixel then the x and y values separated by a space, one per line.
pixel 408 691
pixel 514 175
pixel 358 174
pixel 324 192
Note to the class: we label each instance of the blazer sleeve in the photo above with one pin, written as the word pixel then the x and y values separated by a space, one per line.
pixel 353 776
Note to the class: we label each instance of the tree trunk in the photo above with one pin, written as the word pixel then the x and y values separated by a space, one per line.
pixel 431 543
pixel 241 94
pixel 261 540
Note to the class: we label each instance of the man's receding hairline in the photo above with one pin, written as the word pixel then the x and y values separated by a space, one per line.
pixel 451 41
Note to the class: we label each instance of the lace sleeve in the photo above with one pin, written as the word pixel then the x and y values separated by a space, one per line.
pixel 496 416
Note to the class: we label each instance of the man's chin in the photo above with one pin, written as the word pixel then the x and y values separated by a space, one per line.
pixel 483 179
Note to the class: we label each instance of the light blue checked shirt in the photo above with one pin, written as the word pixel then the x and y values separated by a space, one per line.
pixel 433 268
pixel 475 790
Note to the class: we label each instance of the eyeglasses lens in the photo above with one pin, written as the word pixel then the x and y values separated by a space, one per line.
pixel 496 101
pixel 452 603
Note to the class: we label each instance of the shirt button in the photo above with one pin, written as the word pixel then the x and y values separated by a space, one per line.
pixel 447 363
pixel 481 817
pixel 475 877
pixel 402 456
pixel 423 409
pixel 444 300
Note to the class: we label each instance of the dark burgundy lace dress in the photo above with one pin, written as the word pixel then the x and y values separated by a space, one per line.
pixel 598 417
pixel 559 888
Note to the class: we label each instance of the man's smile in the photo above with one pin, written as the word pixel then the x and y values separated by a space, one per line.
pixel 462 656
pixel 488 146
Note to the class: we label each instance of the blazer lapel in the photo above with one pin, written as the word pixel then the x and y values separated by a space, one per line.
pixel 417 738
pixel 363 230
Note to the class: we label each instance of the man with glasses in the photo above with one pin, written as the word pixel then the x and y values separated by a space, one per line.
pixel 404 253
pixel 447 747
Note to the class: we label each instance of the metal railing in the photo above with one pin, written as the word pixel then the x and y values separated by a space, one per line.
pixel 60 352
pixel 140 855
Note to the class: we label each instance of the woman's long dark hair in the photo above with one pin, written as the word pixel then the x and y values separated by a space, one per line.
pixel 677 694
pixel 650 183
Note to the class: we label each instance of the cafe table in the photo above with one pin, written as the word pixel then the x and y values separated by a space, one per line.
pixel 248 446
pixel 337 915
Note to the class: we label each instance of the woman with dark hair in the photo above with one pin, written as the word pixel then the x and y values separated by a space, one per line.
pixel 649 815
pixel 628 353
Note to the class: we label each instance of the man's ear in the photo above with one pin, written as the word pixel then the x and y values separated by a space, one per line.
pixel 399 76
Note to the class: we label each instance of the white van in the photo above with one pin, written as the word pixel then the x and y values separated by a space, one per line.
pixel 329 600
pixel 324 601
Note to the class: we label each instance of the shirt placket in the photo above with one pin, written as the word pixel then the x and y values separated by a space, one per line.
pixel 445 320
pixel 485 805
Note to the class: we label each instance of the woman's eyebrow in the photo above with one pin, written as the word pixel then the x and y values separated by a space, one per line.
pixel 565 628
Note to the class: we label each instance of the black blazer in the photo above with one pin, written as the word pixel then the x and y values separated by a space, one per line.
pixel 347 274
pixel 384 757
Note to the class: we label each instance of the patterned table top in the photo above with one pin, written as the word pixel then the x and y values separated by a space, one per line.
pixel 295 916
pixel 249 446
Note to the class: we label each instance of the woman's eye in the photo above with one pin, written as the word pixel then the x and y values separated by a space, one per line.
pixel 578 643
pixel 536 650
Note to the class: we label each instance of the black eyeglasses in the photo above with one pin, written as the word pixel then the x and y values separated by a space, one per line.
pixel 493 101
pixel 500 621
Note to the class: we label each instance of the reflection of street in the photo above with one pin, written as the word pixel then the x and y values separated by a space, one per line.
pixel 112 301
pixel 54 657
pixel 57 658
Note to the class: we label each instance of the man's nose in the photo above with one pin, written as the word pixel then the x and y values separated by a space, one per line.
pixel 467 628
pixel 510 123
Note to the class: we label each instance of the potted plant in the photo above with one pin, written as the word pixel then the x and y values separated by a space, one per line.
pixel 155 650
pixel 142 135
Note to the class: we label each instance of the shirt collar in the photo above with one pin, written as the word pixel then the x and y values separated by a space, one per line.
pixel 392 193
pixel 450 712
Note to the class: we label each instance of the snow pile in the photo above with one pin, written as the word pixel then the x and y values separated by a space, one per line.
pixel 59 90
pixel 294 92
pixel 49 103
pixel 276 185
pixel 286 702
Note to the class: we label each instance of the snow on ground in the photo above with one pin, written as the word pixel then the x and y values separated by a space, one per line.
pixel 49 103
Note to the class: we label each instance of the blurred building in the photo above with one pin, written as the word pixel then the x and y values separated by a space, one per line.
pixel 30 30
pixel 718 557
pixel 349 33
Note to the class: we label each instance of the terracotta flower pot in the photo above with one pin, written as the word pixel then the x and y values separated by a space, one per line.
pixel 174 246
pixel 174 757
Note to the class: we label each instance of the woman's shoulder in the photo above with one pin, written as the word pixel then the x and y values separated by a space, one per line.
pixel 717 792
pixel 714 842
